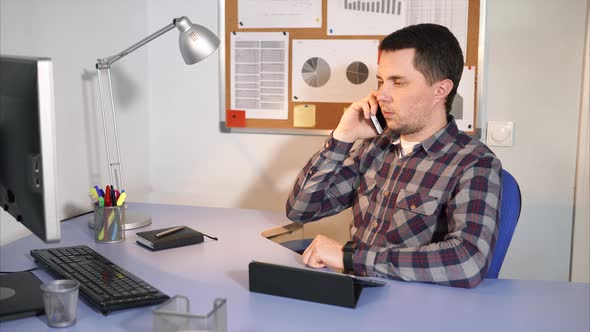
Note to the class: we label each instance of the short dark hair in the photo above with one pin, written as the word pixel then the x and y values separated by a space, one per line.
pixel 438 54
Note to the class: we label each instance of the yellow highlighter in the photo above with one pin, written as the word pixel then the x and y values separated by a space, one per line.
pixel 93 194
pixel 106 225
pixel 121 199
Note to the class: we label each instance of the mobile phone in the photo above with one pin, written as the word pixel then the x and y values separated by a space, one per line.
pixel 379 121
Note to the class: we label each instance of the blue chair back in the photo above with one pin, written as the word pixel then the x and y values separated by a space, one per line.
pixel 509 214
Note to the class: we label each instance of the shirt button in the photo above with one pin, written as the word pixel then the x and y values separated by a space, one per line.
pixel 412 207
pixel 386 193
pixel 327 145
pixel 375 224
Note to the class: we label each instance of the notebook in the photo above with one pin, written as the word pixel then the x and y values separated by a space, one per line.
pixel 184 237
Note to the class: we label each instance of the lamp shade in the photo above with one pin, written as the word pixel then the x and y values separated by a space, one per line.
pixel 196 42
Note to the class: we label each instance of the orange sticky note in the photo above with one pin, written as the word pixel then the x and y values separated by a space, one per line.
pixel 235 118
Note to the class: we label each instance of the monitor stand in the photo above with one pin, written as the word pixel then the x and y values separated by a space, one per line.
pixel 20 296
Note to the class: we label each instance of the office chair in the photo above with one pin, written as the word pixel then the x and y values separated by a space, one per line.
pixel 509 214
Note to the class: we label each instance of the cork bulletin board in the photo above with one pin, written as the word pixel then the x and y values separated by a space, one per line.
pixel 312 110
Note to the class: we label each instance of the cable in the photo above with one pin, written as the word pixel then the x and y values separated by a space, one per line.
pixel 29 270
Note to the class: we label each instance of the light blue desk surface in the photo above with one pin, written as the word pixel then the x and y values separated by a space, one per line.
pixel 220 269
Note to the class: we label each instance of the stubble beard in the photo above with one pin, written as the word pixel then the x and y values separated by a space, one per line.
pixel 402 128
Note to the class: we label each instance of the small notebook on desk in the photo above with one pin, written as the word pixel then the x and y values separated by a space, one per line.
pixel 183 237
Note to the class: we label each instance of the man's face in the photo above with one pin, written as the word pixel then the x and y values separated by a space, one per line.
pixel 406 99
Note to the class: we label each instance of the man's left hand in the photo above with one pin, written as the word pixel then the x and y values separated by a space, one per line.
pixel 324 251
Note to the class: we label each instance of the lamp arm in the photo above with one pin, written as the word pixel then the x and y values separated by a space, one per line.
pixel 106 63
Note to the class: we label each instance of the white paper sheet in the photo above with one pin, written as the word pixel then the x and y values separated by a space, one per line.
pixel 333 70
pixel 373 17
pixel 259 74
pixel 382 17
pixel 280 13
pixel 449 13
pixel 464 103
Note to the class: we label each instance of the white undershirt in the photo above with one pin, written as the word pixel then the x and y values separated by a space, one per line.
pixel 407 146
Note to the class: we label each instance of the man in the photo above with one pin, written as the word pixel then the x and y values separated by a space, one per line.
pixel 425 197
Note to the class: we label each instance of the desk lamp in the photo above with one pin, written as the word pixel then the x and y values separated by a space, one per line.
pixel 196 43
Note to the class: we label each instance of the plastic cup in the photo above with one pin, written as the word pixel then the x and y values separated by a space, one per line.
pixel 61 302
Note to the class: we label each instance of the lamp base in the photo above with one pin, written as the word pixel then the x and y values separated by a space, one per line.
pixel 133 220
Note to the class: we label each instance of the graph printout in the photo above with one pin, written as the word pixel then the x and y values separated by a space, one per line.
pixel 259 74
pixel 280 13
pixel 371 18
pixel 334 71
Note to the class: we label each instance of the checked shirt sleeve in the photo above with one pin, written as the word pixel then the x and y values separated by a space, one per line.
pixel 462 257
pixel 325 186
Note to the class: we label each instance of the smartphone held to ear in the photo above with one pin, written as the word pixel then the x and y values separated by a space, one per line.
pixel 379 121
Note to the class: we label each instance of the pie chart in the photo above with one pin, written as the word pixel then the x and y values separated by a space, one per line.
pixel 315 72
pixel 357 72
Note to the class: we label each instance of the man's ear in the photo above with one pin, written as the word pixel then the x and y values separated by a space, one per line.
pixel 443 89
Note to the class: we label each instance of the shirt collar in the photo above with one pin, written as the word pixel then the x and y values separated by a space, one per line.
pixel 438 141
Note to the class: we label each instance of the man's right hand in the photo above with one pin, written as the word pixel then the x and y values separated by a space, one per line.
pixel 356 122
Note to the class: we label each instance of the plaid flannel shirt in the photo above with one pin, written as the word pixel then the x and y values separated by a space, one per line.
pixel 429 216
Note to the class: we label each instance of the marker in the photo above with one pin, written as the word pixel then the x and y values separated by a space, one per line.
pixel 113 197
pixel 107 225
pixel 93 194
pixel 121 199
pixel 100 201
pixel 107 196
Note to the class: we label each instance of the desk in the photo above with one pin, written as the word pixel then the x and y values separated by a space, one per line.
pixel 220 269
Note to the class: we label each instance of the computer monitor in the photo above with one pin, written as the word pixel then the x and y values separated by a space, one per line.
pixel 28 169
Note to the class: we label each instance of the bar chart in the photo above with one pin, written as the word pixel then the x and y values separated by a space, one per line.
pixel 392 7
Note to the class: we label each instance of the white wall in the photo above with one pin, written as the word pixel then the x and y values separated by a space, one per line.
pixel 186 160
pixel 534 56
pixel 74 34
pixel 193 163
pixel 580 269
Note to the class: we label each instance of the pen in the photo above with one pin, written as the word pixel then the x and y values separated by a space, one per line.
pixel 169 231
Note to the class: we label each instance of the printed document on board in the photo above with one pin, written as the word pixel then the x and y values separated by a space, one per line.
pixel 259 74
pixel 280 13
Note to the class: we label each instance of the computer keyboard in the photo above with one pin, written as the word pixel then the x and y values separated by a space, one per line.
pixel 103 284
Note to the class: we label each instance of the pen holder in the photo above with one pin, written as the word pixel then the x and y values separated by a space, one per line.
pixel 174 315
pixel 108 223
